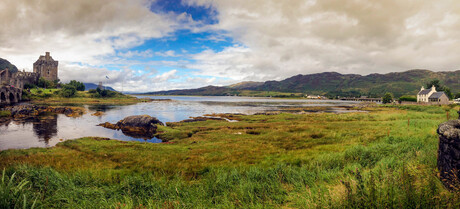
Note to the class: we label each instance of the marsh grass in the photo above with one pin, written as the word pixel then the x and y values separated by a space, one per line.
pixel 14 193
pixel 53 97
pixel 378 159
pixel 5 113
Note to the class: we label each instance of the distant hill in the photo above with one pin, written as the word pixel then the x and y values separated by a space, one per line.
pixel 335 84
pixel 89 86
pixel 203 91
pixel 6 64
pixel 246 84
pixel 374 85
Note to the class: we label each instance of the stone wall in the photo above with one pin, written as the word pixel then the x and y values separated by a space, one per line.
pixel 449 154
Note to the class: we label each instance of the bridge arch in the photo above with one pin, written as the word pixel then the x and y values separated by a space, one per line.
pixel 2 98
pixel 12 98
pixel 10 95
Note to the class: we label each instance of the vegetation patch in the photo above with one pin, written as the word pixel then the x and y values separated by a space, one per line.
pixel 5 113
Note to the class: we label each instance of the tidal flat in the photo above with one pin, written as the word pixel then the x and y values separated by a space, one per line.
pixel 382 158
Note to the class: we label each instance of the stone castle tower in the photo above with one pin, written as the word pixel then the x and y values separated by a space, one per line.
pixel 46 67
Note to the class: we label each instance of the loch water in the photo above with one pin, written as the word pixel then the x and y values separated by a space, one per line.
pixel 50 129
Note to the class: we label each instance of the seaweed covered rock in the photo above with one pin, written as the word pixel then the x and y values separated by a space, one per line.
pixel 141 126
pixel 449 153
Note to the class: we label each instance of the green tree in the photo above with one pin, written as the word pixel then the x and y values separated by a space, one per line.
pixel 78 85
pixel 68 90
pixel 457 95
pixel 43 83
pixel 387 98
pixel 436 83
pixel 439 87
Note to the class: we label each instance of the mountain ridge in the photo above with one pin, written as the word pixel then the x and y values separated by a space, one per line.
pixel 6 64
pixel 334 84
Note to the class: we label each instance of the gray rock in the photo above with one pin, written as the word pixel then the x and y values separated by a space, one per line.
pixel 140 126
pixel 449 153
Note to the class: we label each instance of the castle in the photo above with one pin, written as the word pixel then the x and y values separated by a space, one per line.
pixel 46 67
pixel 11 84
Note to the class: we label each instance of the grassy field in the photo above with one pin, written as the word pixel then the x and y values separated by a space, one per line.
pixel 385 158
pixel 52 96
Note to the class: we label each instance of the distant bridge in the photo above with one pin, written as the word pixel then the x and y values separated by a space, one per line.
pixel 362 99
pixel 10 95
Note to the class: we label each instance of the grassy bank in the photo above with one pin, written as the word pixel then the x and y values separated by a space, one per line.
pixel 53 97
pixel 385 158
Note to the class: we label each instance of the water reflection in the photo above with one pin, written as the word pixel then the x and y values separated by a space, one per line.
pixel 45 127
pixel 100 108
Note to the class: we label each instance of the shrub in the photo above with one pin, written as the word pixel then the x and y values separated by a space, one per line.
pixel 29 86
pixel 25 94
pixel 387 98
pixel 79 86
pixel 43 83
pixel 68 90
pixel 408 98
pixel 105 93
pixel 92 91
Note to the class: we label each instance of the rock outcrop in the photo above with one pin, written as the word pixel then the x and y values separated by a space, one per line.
pixel 140 126
pixel 449 154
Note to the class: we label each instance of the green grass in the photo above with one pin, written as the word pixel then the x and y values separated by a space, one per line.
pixel 53 97
pixel 385 158
pixel 4 113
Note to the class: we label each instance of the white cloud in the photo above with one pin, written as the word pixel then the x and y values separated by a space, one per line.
pixel 165 76
pixel 274 39
pixel 169 53
pixel 129 54
pixel 81 31
pixel 284 38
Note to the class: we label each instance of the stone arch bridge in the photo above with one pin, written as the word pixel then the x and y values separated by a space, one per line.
pixel 10 95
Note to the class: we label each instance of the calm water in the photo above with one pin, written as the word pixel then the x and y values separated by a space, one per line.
pixel 49 130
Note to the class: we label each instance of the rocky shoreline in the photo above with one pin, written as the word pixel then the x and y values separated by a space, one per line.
pixel 30 111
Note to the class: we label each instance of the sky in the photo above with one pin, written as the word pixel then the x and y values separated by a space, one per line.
pixel 154 45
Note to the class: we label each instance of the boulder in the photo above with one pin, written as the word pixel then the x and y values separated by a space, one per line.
pixel 139 126
pixel 449 153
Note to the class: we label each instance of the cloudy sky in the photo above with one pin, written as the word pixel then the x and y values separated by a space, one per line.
pixel 152 45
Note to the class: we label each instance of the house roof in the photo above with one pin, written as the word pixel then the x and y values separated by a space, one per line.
pixel 436 95
pixel 426 91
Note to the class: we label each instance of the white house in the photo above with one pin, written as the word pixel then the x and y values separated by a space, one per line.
pixel 431 95
pixel 424 94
